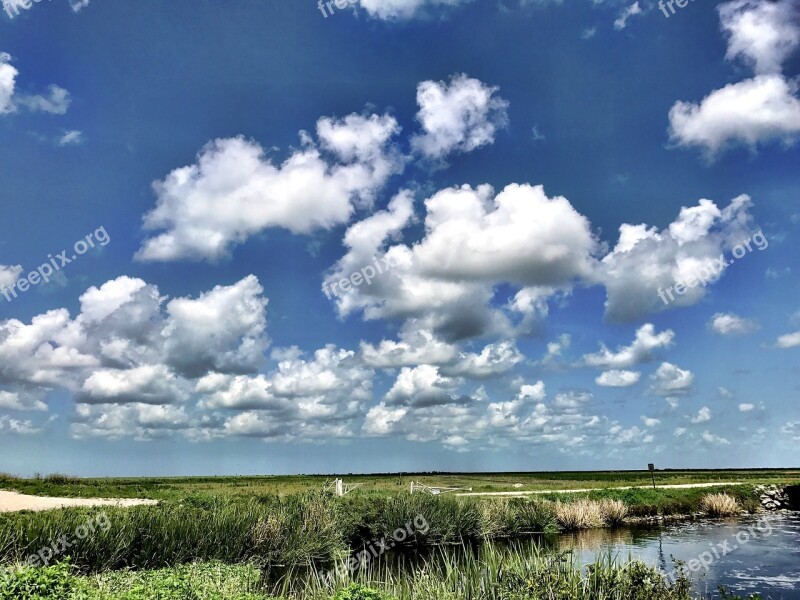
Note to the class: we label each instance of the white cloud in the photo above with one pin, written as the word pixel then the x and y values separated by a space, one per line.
pixel 671 380
pixel 17 426
pixel 56 102
pixel 415 347
pixel 495 359
pixel 650 422
pixel 627 13
pixel 404 9
pixel 763 34
pixel 458 117
pixel 789 340
pixel 679 431
pixel 15 401
pixel 744 407
pixel 9 275
pixel 147 384
pixel 643 349
pixel 647 262
pixel 703 415
pixel 8 75
pixel 714 439
pixel 73 137
pixel 616 378
pixel 474 241
pixel 234 191
pixel 78 5
pixel 731 324
pixel 422 386
pixel 751 112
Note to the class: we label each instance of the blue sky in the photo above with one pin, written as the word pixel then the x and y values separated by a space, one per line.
pixel 533 173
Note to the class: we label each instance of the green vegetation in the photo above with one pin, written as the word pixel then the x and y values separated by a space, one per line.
pixel 175 488
pixel 495 575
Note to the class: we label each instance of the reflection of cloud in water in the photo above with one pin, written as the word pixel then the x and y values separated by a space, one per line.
pixel 749 579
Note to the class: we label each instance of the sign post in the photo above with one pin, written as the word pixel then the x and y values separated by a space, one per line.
pixel 651 467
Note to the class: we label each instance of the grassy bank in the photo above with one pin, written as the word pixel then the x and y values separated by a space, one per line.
pixel 308 528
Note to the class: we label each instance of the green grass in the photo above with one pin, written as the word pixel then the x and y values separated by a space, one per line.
pixel 494 575
pixel 180 487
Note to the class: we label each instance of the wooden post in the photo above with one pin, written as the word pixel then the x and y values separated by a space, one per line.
pixel 651 467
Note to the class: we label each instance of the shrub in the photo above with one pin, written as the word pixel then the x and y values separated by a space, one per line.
pixel 720 505
pixel 358 592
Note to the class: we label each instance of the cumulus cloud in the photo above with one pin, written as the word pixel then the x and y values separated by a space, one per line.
pixel 671 380
pixel 21 402
pixel 18 426
pixel 56 102
pixel 9 275
pixel 731 324
pixel 788 340
pixel 644 348
pixel 710 438
pixel 474 240
pixel 755 111
pixel 616 378
pixel 702 416
pixel 457 117
pixel 746 407
pixel 422 386
pixel 762 34
pixel 647 262
pixel 234 190
pixel 751 112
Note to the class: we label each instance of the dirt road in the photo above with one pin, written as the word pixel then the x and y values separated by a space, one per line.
pixel 630 487
pixel 12 501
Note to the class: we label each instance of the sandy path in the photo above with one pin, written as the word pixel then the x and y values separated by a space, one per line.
pixel 12 501
pixel 630 487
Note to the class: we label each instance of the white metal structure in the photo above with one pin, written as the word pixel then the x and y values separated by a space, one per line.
pixel 436 491
pixel 341 488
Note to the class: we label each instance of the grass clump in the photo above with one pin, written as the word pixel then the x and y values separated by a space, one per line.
pixel 720 505
pixel 579 514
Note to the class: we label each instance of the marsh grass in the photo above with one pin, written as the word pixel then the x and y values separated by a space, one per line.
pixel 720 505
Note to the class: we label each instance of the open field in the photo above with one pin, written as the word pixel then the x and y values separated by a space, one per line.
pixel 164 488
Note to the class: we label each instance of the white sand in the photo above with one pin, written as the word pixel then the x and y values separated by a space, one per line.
pixel 12 501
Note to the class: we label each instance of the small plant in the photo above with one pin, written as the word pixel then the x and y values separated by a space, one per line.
pixel 720 505
pixel 28 583
pixel 358 592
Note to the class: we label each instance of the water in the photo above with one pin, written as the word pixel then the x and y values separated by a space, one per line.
pixel 765 558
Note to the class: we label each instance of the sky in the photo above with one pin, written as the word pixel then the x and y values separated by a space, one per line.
pixel 270 237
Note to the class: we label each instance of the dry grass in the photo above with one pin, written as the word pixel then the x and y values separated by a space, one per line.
pixel 613 511
pixel 588 514
pixel 720 505
pixel 581 514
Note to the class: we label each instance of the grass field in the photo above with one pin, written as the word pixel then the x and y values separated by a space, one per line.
pixel 234 534
pixel 180 487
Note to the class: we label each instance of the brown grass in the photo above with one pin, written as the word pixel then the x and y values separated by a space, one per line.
pixel 720 505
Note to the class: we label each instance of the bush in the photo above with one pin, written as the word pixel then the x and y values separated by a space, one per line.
pixel 613 511
pixel 358 592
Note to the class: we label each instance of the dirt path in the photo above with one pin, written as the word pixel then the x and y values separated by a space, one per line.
pixel 12 501
pixel 630 487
